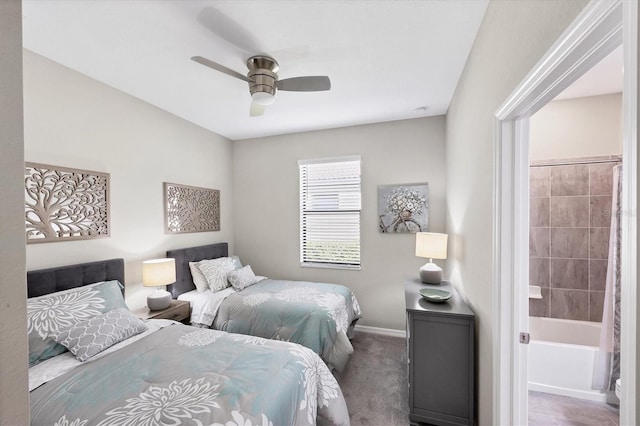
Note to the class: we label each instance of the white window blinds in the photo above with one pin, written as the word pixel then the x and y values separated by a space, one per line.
pixel 330 212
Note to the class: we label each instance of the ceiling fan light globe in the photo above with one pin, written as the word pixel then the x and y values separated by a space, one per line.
pixel 263 98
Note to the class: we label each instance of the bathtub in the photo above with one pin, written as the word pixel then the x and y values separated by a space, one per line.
pixel 562 357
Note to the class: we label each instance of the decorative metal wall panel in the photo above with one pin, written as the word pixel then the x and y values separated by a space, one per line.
pixel 63 204
pixel 191 209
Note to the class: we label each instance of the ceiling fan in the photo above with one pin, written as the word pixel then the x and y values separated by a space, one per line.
pixel 263 80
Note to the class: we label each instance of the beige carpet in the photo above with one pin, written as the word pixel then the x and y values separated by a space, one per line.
pixel 375 381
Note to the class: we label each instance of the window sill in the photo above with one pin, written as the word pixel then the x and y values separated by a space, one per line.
pixel 330 266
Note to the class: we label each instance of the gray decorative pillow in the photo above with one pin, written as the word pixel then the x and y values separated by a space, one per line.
pixel 87 338
pixel 242 278
pixel 198 277
pixel 48 314
pixel 216 272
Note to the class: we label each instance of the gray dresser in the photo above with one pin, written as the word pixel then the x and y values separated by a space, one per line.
pixel 440 355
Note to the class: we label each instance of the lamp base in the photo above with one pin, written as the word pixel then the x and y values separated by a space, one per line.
pixel 430 273
pixel 159 300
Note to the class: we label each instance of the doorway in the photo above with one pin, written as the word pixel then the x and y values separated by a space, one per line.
pixel 596 32
pixel 575 148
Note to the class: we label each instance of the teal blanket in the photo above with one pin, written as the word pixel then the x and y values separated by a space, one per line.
pixel 182 375
pixel 316 315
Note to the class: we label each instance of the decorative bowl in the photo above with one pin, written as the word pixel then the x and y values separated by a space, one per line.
pixel 436 296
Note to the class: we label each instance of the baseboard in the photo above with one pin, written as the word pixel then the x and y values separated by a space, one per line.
pixel 383 331
pixel 573 393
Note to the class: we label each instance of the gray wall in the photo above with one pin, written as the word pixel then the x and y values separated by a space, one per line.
pixel 266 206
pixel 14 396
pixel 74 121
pixel 512 38
pixel 580 127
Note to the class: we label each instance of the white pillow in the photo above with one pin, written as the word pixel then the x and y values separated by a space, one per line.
pixel 216 272
pixel 236 261
pixel 198 277
pixel 242 278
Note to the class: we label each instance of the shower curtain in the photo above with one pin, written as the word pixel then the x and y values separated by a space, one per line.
pixel 607 369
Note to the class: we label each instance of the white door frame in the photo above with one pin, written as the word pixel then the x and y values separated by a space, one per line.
pixel 593 34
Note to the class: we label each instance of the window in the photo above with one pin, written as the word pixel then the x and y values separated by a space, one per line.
pixel 330 212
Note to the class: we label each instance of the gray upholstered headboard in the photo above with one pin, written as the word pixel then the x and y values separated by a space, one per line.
pixel 184 282
pixel 50 280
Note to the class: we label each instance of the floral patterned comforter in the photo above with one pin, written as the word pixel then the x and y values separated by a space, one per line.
pixel 184 375
pixel 316 315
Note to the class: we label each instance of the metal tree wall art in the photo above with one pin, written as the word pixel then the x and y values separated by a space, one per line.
pixel 191 209
pixel 63 204
pixel 403 208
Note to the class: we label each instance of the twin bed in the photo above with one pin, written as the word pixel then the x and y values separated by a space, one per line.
pixel 317 315
pixel 119 370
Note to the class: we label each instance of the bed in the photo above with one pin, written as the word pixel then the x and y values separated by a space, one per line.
pixel 319 316
pixel 165 372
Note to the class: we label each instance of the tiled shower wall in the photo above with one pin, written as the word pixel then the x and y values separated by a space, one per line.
pixel 570 214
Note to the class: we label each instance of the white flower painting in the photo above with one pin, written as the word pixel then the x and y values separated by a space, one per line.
pixel 403 208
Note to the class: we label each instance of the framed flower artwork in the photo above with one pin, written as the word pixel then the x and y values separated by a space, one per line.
pixel 403 209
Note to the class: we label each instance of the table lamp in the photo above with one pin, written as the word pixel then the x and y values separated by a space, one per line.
pixel 156 273
pixel 432 246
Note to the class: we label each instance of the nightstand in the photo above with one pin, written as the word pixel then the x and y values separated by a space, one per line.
pixel 441 357
pixel 180 310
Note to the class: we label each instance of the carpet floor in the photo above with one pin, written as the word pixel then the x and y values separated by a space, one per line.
pixel 374 383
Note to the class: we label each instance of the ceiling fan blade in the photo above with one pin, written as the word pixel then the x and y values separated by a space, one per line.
pixel 305 84
pixel 216 66
pixel 256 109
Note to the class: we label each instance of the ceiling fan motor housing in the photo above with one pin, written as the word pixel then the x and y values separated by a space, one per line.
pixel 263 74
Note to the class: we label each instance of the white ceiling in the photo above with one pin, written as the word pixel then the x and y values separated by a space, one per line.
pixel 387 60
pixel 603 78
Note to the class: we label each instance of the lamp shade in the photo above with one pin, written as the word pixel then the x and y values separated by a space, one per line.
pixel 158 272
pixel 431 245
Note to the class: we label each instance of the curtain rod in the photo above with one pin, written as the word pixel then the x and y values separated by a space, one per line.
pixel 570 162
